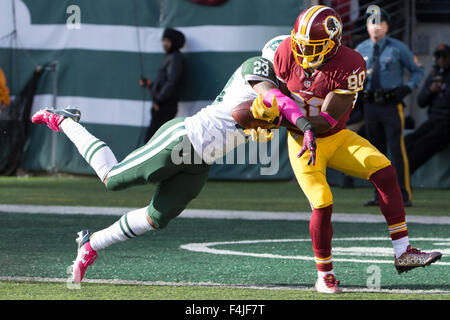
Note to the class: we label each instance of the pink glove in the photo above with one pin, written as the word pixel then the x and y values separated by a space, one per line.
pixel 309 143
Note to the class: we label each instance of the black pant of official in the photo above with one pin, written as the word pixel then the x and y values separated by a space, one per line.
pixel 430 138
pixel 385 124
pixel 164 114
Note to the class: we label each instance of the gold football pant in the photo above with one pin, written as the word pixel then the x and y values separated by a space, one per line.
pixel 344 151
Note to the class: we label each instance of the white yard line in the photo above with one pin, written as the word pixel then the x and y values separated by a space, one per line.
pixel 219 214
pixel 211 284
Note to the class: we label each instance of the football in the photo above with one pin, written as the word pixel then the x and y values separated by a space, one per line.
pixel 244 117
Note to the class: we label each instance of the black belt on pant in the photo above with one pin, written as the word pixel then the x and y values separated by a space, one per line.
pixel 379 96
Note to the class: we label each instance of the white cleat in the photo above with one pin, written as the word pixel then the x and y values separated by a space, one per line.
pixel 327 284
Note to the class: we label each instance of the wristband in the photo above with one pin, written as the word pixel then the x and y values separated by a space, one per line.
pixel 304 124
pixel 329 119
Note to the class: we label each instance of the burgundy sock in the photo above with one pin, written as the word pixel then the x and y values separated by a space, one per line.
pixel 391 201
pixel 321 232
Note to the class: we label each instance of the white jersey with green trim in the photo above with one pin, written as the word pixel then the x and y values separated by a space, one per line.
pixel 213 131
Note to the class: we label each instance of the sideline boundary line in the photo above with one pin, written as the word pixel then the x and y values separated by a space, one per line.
pixel 218 285
pixel 219 214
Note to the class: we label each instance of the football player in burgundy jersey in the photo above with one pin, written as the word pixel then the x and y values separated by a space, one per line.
pixel 320 80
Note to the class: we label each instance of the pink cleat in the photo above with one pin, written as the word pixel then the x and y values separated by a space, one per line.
pixel 53 118
pixel 86 256
pixel 327 284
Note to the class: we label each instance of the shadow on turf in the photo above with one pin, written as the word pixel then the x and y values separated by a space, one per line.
pixel 411 287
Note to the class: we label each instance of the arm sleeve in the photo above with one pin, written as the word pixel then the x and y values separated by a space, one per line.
pixel 4 90
pixel 168 89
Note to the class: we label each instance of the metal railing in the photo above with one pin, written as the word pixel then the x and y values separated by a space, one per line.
pixel 402 18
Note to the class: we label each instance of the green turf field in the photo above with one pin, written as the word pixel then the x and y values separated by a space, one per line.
pixel 222 259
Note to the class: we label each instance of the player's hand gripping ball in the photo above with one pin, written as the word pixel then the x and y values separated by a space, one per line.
pixel 243 116
pixel 261 111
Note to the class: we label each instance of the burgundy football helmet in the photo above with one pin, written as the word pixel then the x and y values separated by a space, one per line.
pixel 316 36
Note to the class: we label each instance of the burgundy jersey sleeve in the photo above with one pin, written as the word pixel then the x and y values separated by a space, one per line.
pixel 282 60
pixel 349 71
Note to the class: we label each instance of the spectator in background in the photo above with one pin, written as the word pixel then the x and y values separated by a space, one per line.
pixel 4 92
pixel 165 90
pixel 349 12
pixel 434 134
pixel 386 60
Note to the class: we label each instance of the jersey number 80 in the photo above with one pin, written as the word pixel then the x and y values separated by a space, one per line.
pixel 356 81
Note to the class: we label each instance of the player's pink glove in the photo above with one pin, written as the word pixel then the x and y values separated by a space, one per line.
pixel 309 143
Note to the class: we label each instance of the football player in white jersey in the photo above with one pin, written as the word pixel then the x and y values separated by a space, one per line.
pixel 197 141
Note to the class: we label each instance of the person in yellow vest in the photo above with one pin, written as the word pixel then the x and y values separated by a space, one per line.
pixel 4 92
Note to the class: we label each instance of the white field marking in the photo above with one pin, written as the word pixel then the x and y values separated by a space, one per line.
pixel 218 214
pixel 205 247
pixel 219 285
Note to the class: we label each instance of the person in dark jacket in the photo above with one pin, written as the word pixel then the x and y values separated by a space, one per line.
pixel 434 134
pixel 165 90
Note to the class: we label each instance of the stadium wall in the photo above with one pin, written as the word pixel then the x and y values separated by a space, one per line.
pixel 99 64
